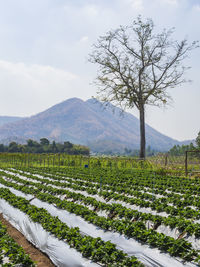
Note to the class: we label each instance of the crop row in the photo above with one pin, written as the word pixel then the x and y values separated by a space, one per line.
pixel 92 248
pixel 158 205
pixel 147 181
pixel 174 198
pixel 115 176
pixel 134 229
pixel 11 253
pixel 116 209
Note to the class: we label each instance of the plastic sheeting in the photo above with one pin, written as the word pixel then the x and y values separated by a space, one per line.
pixel 149 256
pixel 99 198
pixel 58 251
pixel 195 241
pixel 51 177
pixel 168 231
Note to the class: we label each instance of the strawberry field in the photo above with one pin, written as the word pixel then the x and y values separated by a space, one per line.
pixel 104 216
pixel 11 253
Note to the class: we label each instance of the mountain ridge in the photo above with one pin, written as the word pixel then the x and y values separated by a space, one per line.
pixel 87 123
pixel 9 119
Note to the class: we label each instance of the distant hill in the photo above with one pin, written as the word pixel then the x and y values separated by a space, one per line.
pixel 87 123
pixel 8 119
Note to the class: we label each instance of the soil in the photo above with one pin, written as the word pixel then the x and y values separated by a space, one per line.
pixel 41 259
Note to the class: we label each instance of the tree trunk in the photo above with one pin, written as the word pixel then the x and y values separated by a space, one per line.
pixel 142 133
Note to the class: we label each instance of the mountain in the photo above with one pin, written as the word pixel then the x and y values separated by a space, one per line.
pixel 87 123
pixel 8 119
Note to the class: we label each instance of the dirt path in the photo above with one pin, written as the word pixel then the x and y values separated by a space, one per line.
pixel 36 255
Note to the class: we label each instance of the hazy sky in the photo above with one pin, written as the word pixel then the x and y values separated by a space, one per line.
pixel 45 45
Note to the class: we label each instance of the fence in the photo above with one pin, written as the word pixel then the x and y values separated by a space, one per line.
pixel 188 164
pixel 64 160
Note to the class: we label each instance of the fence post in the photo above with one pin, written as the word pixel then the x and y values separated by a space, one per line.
pixel 186 165
pixel 166 159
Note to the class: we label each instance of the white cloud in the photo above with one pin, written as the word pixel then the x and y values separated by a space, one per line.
pixel 57 35
pixel 42 76
pixel 34 71
pixel 170 2
pixel 91 10
pixel 196 8
pixel 84 39
pixel 136 4
pixel 27 88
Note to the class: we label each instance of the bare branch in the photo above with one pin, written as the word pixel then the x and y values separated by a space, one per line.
pixel 136 66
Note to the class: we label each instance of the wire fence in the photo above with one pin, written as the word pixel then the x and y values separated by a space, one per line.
pixel 188 164
pixel 64 160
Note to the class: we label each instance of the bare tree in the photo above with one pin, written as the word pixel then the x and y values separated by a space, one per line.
pixel 137 66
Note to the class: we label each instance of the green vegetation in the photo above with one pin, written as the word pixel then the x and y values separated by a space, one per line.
pixel 12 252
pixel 136 152
pixel 120 194
pixel 135 187
pixel 45 147
pixel 74 161
pixel 178 150
pixel 198 141
pixel 92 248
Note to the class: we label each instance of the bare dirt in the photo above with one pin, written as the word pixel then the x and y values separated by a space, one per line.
pixel 35 254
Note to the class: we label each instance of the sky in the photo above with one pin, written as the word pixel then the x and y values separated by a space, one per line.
pixel 45 45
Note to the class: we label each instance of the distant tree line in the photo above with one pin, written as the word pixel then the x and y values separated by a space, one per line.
pixel 178 150
pixel 44 146
pixel 136 152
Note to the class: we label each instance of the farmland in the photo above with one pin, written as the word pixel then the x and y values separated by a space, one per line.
pixel 115 213
pixel 11 253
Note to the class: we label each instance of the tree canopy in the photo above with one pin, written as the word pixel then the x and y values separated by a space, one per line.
pixel 45 147
pixel 198 140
